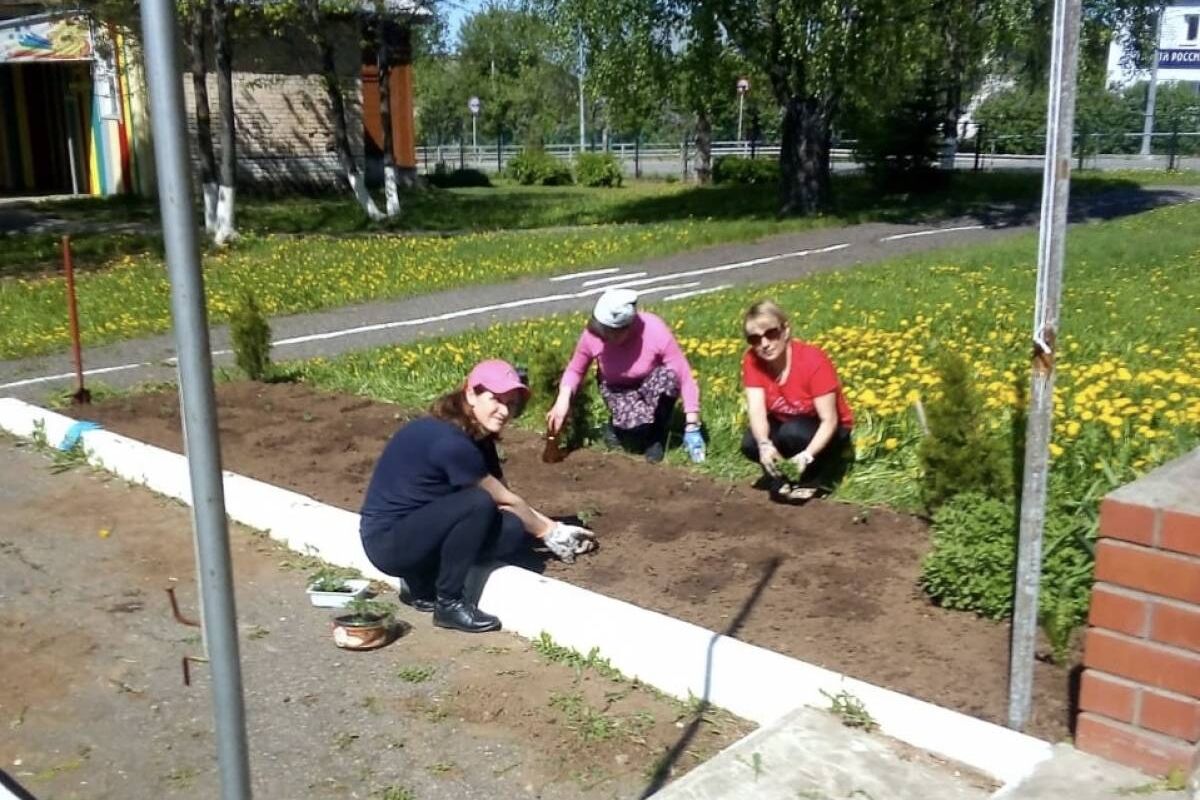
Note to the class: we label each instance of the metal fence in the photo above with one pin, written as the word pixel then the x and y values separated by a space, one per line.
pixel 1178 150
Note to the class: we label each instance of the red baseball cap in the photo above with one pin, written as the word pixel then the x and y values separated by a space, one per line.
pixel 496 376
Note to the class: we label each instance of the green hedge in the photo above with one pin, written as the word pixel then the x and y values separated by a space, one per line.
pixel 538 168
pixel 736 169
pixel 598 169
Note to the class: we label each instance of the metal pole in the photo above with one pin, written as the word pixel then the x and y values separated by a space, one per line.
pixel 582 115
pixel 196 392
pixel 741 105
pixel 1056 186
pixel 1152 89
pixel 474 140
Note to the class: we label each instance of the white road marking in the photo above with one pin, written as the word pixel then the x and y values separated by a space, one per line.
pixel 47 378
pixel 486 309
pixel 932 232
pixel 698 292
pixel 586 274
pixel 611 278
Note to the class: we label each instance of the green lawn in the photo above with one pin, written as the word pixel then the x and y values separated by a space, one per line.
pixel 508 206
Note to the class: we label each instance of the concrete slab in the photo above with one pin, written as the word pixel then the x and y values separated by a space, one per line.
pixel 1079 776
pixel 809 754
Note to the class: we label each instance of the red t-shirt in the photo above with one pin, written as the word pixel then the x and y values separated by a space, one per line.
pixel 812 375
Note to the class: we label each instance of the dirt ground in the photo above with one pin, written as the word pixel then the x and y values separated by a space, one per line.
pixel 832 584
pixel 92 703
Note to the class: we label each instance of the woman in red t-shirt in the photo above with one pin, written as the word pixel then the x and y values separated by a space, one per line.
pixel 795 403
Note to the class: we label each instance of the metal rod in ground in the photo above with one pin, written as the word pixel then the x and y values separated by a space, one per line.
pixel 196 392
pixel 1056 186
pixel 81 395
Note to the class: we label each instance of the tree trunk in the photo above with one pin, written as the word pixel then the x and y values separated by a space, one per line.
pixel 391 181
pixel 337 107
pixel 197 31
pixel 228 168
pixel 804 157
pixel 703 148
pixel 950 117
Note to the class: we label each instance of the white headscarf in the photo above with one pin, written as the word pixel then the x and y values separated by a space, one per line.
pixel 616 308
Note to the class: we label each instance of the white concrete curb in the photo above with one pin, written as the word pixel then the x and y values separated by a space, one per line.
pixel 675 656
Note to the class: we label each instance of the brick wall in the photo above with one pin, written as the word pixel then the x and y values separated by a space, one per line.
pixel 1140 691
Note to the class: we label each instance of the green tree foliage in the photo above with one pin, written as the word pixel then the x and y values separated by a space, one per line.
pixel 510 58
pixel 534 167
pixel 960 453
pixel 251 336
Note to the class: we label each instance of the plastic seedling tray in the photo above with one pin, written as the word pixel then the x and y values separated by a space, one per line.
pixel 356 587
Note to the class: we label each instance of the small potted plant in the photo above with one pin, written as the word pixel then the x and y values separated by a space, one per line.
pixel 366 625
pixel 334 587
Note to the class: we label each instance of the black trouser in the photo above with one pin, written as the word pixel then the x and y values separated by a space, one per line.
pixel 794 435
pixel 638 438
pixel 435 546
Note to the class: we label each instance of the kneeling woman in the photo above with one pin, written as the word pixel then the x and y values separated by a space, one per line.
pixel 795 404
pixel 437 503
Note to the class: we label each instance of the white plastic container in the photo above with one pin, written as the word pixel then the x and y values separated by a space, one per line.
pixel 357 588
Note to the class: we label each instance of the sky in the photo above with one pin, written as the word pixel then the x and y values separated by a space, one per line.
pixel 457 11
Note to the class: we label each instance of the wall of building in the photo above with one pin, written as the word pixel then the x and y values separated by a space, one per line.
pixel 1140 690
pixel 1178 43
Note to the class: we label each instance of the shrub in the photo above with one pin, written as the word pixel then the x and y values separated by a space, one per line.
pixel 898 145
pixel 597 169
pixel 538 168
pixel 545 372
pixel 735 169
pixel 444 178
pixel 971 564
pixel 251 338
pixel 959 454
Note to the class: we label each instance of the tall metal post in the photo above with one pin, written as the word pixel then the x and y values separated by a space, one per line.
pixel 1152 89
pixel 1056 186
pixel 196 392
pixel 582 114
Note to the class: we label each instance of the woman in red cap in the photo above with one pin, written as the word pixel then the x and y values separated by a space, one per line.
pixel 437 503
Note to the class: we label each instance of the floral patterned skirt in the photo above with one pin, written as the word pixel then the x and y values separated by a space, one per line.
pixel 633 406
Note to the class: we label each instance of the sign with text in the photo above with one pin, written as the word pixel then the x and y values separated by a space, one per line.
pixel 1179 59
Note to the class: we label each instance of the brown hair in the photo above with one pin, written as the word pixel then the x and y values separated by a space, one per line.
pixel 766 308
pixel 453 408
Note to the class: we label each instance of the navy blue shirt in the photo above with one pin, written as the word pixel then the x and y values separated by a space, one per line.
pixel 426 459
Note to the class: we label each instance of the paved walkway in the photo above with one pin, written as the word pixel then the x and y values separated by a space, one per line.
pixel 777 258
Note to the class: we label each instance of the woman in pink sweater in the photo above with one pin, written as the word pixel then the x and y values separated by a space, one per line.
pixel 641 372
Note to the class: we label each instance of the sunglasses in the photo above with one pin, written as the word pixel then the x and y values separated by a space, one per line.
pixel 770 335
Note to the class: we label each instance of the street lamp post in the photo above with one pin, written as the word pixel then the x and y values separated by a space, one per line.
pixel 473 105
pixel 743 86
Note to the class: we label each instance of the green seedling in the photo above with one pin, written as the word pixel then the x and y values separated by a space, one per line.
pixel 394 793
pixel 755 763
pixel 415 673
pixel 331 579
pixel 851 710
pixel 547 648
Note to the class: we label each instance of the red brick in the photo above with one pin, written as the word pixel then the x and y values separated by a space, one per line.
pixel 1119 610
pixel 1177 624
pixel 1170 714
pixel 1153 571
pixel 1144 750
pixel 1107 695
pixel 1146 662
pixel 1180 532
pixel 1126 521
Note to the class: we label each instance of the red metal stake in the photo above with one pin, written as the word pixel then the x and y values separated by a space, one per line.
pixel 82 396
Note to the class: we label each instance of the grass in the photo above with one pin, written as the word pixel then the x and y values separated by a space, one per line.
pixel 1127 389
pixel 415 673
pixel 129 296
pixel 850 710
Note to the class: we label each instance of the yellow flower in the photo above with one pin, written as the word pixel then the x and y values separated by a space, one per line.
pixel 891 443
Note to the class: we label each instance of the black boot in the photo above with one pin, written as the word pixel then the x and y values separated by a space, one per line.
pixel 413 597
pixel 460 615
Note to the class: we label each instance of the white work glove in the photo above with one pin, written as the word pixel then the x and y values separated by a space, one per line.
pixel 802 461
pixel 568 541
pixel 768 456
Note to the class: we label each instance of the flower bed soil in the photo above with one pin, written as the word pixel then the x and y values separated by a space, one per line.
pixel 839 582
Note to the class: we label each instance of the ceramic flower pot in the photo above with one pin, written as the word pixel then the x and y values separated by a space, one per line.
pixel 354 632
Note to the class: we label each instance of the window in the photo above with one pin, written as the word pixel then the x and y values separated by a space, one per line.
pixel 1193 26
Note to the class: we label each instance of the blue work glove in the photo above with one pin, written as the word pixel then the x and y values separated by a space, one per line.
pixel 71 437
pixel 693 442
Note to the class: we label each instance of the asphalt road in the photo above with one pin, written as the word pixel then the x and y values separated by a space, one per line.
pixel 777 258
